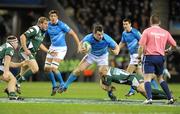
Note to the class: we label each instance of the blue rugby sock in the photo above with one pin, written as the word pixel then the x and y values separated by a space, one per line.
pixel 53 80
pixel 147 86
pixel 154 84
pixel 70 79
pixel 59 77
pixel 166 89
pixel 132 90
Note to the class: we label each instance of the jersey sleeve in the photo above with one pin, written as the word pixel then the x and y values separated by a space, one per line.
pixel 143 39
pixel 65 27
pixel 112 43
pixel 86 39
pixel 123 38
pixel 32 31
pixel 9 51
pixel 137 35
pixel 170 40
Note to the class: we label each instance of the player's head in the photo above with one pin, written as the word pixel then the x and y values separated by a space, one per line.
pixel 127 25
pixel 13 41
pixel 155 20
pixel 53 16
pixel 98 31
pixel 43 23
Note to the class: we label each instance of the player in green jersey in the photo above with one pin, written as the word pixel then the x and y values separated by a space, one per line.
pixel 120 76
pixel 6 53
pixel 31 41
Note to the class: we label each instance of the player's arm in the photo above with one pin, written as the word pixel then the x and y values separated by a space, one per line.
pixel 45 49
pixel 121 45
pixel 72 33
pixel 115 51
pixel 23 44
pixel 15 65
pixel 140 52
pixel 7 61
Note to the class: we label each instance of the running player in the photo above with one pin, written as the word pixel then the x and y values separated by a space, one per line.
pixel 100 43
pixel 31 41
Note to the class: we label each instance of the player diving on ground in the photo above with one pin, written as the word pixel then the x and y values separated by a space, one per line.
pixel 120 76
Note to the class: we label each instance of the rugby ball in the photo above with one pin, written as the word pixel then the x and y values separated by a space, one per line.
pixel 87 45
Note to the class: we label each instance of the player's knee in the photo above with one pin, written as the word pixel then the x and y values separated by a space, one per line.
pixel 103 71
pixel 35 70
pixel 47 69
pixel 77 71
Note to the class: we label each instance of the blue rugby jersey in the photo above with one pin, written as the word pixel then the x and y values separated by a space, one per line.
pixel 57 33
pixel 131 39
pixel 99 48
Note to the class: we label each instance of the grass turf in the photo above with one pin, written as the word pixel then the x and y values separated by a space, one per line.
pixel 81 91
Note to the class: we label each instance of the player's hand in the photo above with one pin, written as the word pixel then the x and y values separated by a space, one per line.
pixel 27 52
pixel 53 53
pixel 83 50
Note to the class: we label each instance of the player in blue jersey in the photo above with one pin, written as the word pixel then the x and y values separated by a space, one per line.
pixel 100 43
pixel 131 37
pixel 56 32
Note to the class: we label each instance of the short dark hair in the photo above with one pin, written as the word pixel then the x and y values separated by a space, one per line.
pixel 97 27
pixel 53 12
pixel 155 19
pixel 127 20
pixel 42 19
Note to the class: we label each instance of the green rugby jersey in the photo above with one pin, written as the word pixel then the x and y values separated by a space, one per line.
pixel 34 37
pixel 5 49
pixel 121 76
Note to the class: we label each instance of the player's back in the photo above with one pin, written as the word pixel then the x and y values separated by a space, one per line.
pixel 155 39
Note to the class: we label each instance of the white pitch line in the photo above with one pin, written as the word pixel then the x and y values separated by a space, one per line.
pixel 86 101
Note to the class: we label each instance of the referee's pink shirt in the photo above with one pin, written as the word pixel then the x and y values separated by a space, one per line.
pixel 154 40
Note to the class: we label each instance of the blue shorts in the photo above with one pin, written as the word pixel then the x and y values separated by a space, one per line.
pixel 153 64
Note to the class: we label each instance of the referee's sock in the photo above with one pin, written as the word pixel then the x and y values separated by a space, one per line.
pixel 166 89
pixel 147 86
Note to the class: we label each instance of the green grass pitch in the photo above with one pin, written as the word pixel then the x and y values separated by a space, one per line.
pixel 82 98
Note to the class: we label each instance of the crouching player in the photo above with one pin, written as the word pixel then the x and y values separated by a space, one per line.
pixel 122 77
pixel 6 53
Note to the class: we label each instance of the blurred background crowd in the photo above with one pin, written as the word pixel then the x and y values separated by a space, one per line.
pixel 84 13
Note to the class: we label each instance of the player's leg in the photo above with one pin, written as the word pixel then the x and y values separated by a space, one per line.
pixel 48 70
pixel 11 88
pixel 31 68
pixel 76 72
pixel 131 68
pixel 165 88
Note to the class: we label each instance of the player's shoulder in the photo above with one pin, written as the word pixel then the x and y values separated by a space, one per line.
pixel 89 35
pixel 134 29
pixel 106 36
pixel 35 27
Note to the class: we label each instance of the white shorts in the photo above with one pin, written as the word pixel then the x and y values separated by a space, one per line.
pixel 100 60
pixel 61 52
pixel 133 59
pixel 1 68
